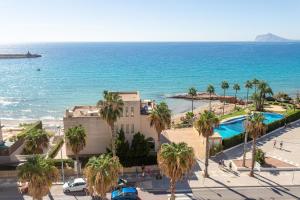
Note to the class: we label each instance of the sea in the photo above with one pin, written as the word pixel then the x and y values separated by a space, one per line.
pixel 70 74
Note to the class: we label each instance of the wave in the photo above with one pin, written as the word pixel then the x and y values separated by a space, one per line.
pixel 4 101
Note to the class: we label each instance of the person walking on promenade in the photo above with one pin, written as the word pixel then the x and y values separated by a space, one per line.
pixel 281 143
pixel 274 144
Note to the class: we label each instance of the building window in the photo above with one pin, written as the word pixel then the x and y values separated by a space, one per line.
pixel 127 128
pixel 132 128
pixel 132 112
pixel 126 112
pixel 122 127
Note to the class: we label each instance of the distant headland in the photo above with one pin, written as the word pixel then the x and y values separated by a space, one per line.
pixel 17 56
pixel 270 37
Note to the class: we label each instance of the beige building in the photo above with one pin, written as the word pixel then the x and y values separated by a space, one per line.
pixel 135 118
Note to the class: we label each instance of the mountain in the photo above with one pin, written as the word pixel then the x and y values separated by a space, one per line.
pixel 269 37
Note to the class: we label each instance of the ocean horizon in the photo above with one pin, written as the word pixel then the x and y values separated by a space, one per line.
pixel 77 73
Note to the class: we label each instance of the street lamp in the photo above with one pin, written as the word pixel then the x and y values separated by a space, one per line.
pixel 62 162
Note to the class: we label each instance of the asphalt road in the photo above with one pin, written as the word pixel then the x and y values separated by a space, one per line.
pixel 260 193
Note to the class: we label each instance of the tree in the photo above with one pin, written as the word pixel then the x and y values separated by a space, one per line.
pixel 255 127
pixel 224 86
pixel 111 109
pixel 192 92
pixel 211 90
pixel 236 87
pixel 205 126
pixel 122 146
pixel 255 82
pixel 141 146
pixel 175 161
pixel 248 86
pixel 35 141
pixel 102 174
pixel 160 118
pixel 76 139
pixel 263 89
pixel 39 173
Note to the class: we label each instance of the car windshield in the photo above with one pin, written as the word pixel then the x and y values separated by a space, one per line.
pixel 70 182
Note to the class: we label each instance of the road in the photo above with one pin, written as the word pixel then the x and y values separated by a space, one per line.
pixel 261 193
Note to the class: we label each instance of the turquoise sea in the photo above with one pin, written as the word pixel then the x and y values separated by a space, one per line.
pixel 77 73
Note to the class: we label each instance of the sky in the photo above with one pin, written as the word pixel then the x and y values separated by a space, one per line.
pixel 146 20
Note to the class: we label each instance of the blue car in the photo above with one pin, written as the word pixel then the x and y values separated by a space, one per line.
pixel 125 193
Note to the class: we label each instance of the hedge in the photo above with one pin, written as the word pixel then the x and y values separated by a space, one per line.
pixel 53 152
pixel 238 139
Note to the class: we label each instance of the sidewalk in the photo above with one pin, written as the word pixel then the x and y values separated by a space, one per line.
pixel 230 180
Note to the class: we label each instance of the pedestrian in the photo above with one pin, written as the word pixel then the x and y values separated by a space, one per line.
pixel 274 144
pixel 230 166
pixel 220 163
pixel 281 143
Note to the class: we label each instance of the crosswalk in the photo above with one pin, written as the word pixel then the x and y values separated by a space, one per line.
pixel 183 196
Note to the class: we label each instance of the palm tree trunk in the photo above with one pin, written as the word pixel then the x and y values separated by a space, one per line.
pixel 245 149
pixel 172 189
pixel 78 167
pixel 209 101
pixel 247 96
pixel 253 157
pixel 235 100
pixel 158 140
pixel 206 157
pixel 193 104
pixel 224 102
pixel 113 140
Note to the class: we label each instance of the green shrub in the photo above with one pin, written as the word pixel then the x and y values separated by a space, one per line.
pixel 138 153
pixel 215 149
pixel 53 152
pixel 260 156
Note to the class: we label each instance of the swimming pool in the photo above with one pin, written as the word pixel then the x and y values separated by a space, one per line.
pixel 235 126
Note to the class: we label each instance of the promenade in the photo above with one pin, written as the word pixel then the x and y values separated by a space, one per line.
pixel 223 177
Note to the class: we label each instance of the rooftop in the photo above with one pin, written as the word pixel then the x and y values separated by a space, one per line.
pixel 129 96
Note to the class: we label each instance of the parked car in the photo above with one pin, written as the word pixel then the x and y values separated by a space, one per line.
pixel 75 185
pixel 125 193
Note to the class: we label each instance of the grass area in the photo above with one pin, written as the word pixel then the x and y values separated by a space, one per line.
pixel 233 114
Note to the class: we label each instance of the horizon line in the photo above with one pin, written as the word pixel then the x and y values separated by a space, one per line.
pixel 147 41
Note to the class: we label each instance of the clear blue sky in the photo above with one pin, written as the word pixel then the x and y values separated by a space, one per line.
pixel 147 20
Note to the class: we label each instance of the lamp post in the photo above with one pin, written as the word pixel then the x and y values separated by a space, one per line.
pixel 62 162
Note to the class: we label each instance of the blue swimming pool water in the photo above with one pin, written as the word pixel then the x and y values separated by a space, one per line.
pixel 235 126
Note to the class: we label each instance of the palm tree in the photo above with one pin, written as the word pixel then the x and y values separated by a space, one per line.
pixel 224 86
pixel 205 126
pixel 255 126
pixel 111 109
pixel 255 82
pixel 263 89
pixel 102 174
pixel 35 141
pixel 236 87
pixel 192 92
pixel 175 161
pixel 211 90
pixel 160 118
pixel 76 139
pixel 39 173
pixel 248 86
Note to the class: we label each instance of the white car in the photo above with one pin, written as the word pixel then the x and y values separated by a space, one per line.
pixel 75 185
